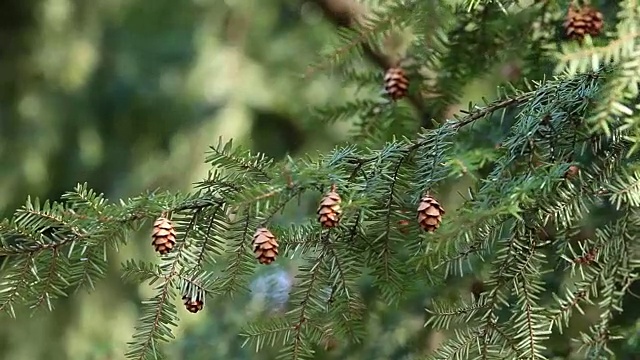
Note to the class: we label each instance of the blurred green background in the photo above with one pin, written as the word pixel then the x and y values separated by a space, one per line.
pixel 127 95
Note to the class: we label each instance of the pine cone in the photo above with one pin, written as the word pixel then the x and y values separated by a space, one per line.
pixel 580 22
pixel 329 210
pixel 265 246
pixel 330 343
pixel 572 172
pixel 192 305
pixel 403 224
pixel 164 235
pixel 429 213
pixel 396 83
pixel 477 288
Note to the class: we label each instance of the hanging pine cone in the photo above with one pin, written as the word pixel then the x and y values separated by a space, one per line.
pixel 477 288
pixel 164 235
pixel 329 210
pixel 192 305
pixel 396 83
pixel 192 296
pixel 583 21
pixel 429 213
pixel 265 246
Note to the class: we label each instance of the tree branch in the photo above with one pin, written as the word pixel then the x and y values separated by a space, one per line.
pixel 347 13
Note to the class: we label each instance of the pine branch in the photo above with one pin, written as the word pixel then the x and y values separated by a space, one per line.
pixel 55 247
pixel 15 283
pixel 345 288
pixel 297 347
pixel 481 113
pixel 238 269
pixel 159 312
pixel 345 14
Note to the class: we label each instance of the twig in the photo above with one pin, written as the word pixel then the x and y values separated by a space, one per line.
pixel 477 115
pixel 470 118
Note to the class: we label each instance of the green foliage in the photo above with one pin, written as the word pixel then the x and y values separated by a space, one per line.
pixel 549 247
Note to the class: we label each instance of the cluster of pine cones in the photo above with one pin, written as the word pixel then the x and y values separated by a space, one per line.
pixel 578 23
pixel 265 245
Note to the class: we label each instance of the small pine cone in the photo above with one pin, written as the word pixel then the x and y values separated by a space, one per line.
pixel 265 246
pixel 429 213
pixel 330 343
pixel 572 172
pixel 580 22
pixel 477 288
pixel 329 210
pixel 403 224
pixel 192 305
pixel 164 235
pixel 396 83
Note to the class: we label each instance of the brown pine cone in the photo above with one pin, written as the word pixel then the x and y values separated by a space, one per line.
pixel 396 83
pixel 583 21
pixel 329 210
pixel 192 305
pixel 265 246
pixel 163 235
pixel 430 213
pixel 572 172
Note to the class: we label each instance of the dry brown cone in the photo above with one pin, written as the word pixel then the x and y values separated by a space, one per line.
pixel 583 21
pixel 163 235
pixel 329 210
pixel 265 246
pixel 429 213
pixel 396 83
pixel 192 305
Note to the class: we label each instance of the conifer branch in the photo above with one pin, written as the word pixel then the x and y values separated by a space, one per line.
pixel 386 251
pixel 14 284
pixel 493 231
pixel 300 321
pixel 207 237
pixel 492 108
pixel 49 286
pixel 345 14
pixel 160 312
pixel 238 266
pixel 599 51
